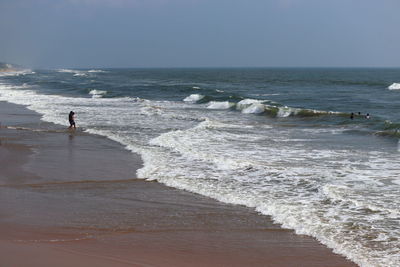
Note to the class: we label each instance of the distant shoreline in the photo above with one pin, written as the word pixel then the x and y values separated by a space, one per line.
pixel 6 67
pixel 7 70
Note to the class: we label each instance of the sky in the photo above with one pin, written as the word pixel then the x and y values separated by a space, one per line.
pixel 200 33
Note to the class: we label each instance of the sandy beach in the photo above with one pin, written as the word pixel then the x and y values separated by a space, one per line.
pixel 73 199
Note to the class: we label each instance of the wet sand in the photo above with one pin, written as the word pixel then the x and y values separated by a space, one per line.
pixel 72 199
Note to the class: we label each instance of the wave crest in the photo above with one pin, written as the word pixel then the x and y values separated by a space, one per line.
pixel 220 105
pixel 394 86
pixel 97 93
pixel 247 102
pixel 193 98
pixel 255 108
pixel 97 71
pixel 67 71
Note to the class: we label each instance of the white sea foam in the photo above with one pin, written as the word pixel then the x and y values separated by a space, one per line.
pixel 247 102
pixel 394 86
pixel 196 87
pixel 220 105
pixel 97 93
pixel 329 227
pixel 254 109
pixel 80 74
pixel 75 73
pixel 286 111
pixel 96 71
pixel 16 73
pixel 193 98
pixel 67 71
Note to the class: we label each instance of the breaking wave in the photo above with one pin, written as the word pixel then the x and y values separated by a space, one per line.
pixel 247 102
pixel 97 93
pixel 193 98
pixel 257 106
pixel 394 86
pixel 16 72
pixel 254 109
pixel 80 72
pixel 68 71
pixel 96 71
pixel 220 105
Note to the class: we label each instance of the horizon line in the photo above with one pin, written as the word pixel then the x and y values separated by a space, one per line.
pixel 226 67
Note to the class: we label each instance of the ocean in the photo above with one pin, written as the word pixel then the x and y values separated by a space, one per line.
pixel 278 140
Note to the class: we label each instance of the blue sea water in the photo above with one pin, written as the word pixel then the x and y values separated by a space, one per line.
pixel 278 140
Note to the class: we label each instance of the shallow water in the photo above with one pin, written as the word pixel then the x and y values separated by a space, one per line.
pixel 278 140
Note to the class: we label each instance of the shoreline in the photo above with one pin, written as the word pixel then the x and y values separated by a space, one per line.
pixel 75 200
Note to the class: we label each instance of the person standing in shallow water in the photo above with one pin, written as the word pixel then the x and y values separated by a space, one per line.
pixel 71 120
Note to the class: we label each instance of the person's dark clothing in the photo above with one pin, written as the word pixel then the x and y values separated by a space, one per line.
pixel 71 119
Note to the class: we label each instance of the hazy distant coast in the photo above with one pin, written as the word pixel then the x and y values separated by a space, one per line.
pixel 5 67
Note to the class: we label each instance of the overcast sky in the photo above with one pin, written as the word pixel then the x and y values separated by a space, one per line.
pixel 200 33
